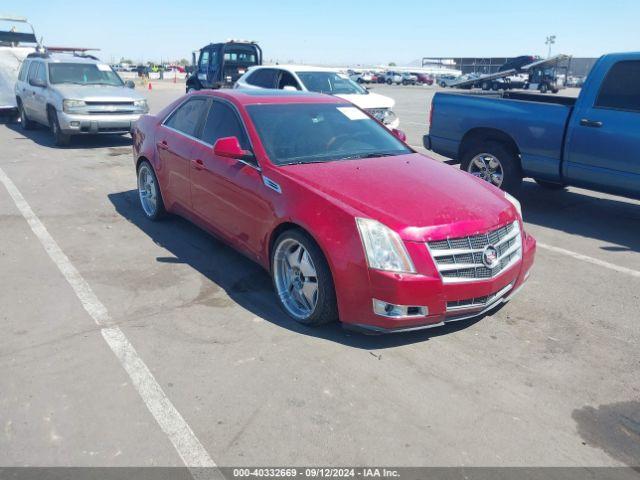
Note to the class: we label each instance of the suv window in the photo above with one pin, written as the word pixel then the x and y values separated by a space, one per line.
pixel 187 117
pixel 621 87
pixel 22 76
pixel 33 69
pixel 287 80
pixel 263 77
pixel 222 121
pixel 42 73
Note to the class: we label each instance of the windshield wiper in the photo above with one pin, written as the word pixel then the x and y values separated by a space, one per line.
pixel 370 155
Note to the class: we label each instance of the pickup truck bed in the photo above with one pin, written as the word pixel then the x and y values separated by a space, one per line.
pixel 591 141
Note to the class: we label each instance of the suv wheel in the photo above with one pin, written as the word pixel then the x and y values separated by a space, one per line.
pixel 25 123
pixel 60 139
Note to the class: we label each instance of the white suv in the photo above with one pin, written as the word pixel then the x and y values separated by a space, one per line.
pixel 321 80
pixel 74 95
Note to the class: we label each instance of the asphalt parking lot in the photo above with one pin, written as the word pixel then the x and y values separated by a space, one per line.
pixel 550 379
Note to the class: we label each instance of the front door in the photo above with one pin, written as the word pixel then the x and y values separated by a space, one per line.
pixel 175 141
pixel 603 144
pixel 226 192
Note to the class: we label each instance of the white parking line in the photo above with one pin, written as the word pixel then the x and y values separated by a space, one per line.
pixel 189 448
pixel 594 261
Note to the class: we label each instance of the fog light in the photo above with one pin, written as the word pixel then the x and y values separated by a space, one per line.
pixel 390 310
pixel 74 124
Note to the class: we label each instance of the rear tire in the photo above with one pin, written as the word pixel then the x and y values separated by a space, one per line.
pixel 544 88
pixel 60 139
pixel 489 152
pixel 302 279
pixel 25 123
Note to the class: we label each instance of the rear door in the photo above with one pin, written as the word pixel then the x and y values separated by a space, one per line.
pixel 28 92
pixel 227 193
pixel 175 141
pixel 39 96
pixel 603 148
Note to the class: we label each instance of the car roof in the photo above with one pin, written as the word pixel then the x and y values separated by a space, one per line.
pixel 266 96
pixel 297 68
pixel 65 58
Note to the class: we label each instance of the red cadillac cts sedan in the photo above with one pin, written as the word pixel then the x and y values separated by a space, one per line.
pixel 351 223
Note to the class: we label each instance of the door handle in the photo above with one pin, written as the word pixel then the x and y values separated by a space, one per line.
pixel 585 122
pixel 197 164
pixel 163 145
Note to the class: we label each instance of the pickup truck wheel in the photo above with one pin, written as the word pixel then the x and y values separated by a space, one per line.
pixel 302 279
pixel 550 185
pixel 59 139
pixel 494 163
pixel 25 123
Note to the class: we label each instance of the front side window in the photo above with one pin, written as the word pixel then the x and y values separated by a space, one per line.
pixel 310 133
pixel 186 119
pixel 329 82
pixel 263 77
pixel 621 87
pixel 287 80
pixel 223 122
pixel 83 74
pixel 204 60
pixel 33 70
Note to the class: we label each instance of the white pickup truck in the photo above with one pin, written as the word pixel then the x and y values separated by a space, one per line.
pixel 16 42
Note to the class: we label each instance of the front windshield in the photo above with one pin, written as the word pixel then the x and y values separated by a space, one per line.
pixel 329 82
pixel 83 74
pixel 310 133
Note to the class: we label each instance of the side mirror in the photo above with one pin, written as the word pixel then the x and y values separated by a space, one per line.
pixel 129 84
pixel 37 82
pixel 399 134
pixel 229 147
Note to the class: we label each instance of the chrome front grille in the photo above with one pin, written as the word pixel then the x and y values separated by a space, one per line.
pixel 463 259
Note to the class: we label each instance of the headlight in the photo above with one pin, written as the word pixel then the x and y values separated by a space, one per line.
pixel 514 201
pixel 383 247
pixel 70 105
pixel 141 104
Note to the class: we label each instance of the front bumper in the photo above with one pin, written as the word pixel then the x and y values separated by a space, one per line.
pixel 79 124
pixel 429 291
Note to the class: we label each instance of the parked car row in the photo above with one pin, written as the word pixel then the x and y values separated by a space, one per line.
pixel 391 77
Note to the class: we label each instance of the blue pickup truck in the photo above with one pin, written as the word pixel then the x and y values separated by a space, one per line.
pixel 591 142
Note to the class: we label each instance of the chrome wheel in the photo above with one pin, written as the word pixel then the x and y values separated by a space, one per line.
pixel 487 167
pixel 148 190
pixel 295 278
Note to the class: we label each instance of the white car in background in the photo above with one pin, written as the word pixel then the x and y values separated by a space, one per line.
pixel 320 80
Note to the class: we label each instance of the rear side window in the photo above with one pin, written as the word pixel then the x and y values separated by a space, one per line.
pixel 186 119
pixel 221 122
pixel 264 77
pixel 621 87
pixel 22 76
pixel 42 73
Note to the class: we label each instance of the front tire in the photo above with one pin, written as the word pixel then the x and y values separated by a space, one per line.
pixel 495 163
pixel 149 192
pixel 60 139
pixel 302 279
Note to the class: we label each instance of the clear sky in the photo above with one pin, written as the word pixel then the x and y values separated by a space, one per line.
pixel 337 32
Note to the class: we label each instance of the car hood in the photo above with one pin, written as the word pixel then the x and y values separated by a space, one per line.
pixel 97 93
pixel 370 100
pixel 420 198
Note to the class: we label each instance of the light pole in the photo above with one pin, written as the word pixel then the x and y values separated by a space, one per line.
pixel 551 39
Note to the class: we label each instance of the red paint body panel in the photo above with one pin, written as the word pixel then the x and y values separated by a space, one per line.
pixel 418 197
